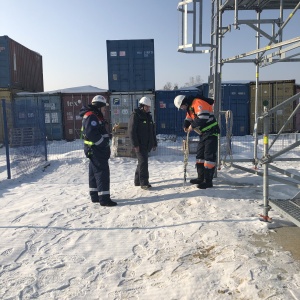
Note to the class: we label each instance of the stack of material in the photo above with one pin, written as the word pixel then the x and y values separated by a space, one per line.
pixel 121 145
pixel 27 136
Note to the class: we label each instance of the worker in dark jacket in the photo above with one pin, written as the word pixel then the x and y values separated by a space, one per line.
pixel 97 149
pixel 201 119
pixel 143 139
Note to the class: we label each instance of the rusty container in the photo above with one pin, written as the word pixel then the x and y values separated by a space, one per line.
pixel 72 102
pixel 20 67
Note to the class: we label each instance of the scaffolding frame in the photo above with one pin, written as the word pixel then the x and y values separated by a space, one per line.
pixel 276 50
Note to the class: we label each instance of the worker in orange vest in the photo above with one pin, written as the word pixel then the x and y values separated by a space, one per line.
pixel 201 119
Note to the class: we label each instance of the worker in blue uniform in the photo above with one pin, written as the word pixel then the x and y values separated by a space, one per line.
pixel 97 149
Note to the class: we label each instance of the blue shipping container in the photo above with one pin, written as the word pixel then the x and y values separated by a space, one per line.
pixel 236 97
pixel 130 65
pixel 53 115
pixel 28 113
pixel 167 117
pixel 50 110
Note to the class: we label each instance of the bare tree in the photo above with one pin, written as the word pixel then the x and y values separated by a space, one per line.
pixel 193 81
pixel 168 86
pixel 198 79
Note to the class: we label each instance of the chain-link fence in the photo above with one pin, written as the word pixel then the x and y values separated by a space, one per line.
pixel 24 136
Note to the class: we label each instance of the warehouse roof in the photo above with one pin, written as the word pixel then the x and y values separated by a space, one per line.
pixel 86 89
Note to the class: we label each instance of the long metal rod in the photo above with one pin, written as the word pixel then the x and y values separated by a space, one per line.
pixel 271 177
pixel 279 32
pixel 6 139
pixel 285 172
pixel 269 158
pixel 256 96
pixel 262 50
pixel 280 105
pixel 266 206
pixel 194 25
pixel 185 24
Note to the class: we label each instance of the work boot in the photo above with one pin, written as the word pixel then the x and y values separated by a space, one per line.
pixel 200 171
pixel 196 180
pixel 94 197
pixel 146 187
pixel 205 185
pixel 208 178
pixel 106 201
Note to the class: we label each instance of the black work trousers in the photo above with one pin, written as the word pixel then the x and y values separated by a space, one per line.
pixel 141 176
pixel 99 179
pixel 207 151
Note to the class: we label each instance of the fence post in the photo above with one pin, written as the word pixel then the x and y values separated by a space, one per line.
pixel 6 139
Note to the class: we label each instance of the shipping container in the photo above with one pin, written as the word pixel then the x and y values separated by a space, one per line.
pixel 169 120
pixel 72 101
pixel 6 95
pixel 53 115
pixel 236 98
pixel 130 65
pixel 51 104
pixel 20 67
pixel 27 112
pixel 123 104
pixel 272 93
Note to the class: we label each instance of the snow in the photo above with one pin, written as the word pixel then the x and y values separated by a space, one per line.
pixel 171 242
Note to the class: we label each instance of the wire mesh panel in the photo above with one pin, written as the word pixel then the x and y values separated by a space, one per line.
pixel 27 137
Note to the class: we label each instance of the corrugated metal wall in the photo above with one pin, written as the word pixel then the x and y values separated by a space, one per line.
pixel 53 115
pixel 51 104
pixel 123 104
pixel 275 92
pixel 7 95
pixel 169 120
pixel 72 103
pixel 236 98
pixel 27 112
pixel 20 67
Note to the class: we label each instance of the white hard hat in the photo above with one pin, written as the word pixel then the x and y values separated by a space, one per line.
pixel 178 101
pixel 99 100
pixel 145 101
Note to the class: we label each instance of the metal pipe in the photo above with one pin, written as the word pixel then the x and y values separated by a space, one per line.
pixel 6 139
pixel 185 23
pixel 236 21
pixel 266 206
pixel 256 93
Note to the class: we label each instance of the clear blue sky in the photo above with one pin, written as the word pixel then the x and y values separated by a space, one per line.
pixel 71 36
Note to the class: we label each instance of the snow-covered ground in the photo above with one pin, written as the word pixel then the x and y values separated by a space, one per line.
pixel 171 242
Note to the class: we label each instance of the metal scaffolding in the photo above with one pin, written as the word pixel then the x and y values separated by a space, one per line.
pixel 277 50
